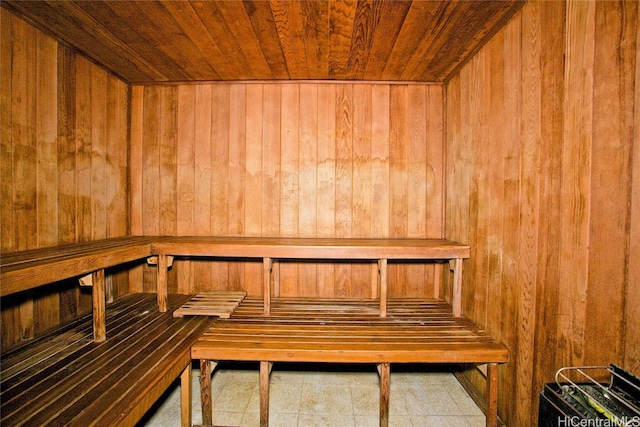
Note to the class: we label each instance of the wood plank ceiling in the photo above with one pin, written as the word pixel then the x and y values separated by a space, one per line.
pixel 369 40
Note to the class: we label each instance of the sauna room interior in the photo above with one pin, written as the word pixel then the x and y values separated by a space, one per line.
pixel 515 131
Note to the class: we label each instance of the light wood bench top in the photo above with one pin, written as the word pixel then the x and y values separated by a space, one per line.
pixel 329 330
pixel 312 248
pixel 346 331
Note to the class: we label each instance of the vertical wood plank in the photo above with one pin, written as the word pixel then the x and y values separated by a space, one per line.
pixel 417 209
pixel 253 181
pixel 576 198
pixel 308 171
pixel 326 173
pixel 98 136
pixel 632 310
pixel 7 225
pixel 398 184
pixel 179 178
pixel 271 158
pixel 220 178
pixel 343 181
pixel 380 204
pixel 23 134
pixel 290 184
pixel 361 183
pixel 136 177
pixel 610 181
pixel 237 168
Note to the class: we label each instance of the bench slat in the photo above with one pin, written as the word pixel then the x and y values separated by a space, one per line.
pixel 110 383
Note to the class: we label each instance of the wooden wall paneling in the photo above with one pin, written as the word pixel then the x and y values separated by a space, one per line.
pixel 237 174
pixel 632 311
pixel 23 160
pixel 469 121
pixel 435 180
pixel 325 178
pixel 361 183
pixel 576 197
pixel 308 171
pixel 452 174
pixel 417 97
pixel 610 183
pixel 150 206
pixel 180 178
pixel 564 112
pixel 66 160
pixel 496 144
pixel 220 177
pixel 417 275
pixel 551 29
pixel 290 180
pixel 58 133
pixel 46 130
pixel 314 159
pixel 46 305
pixel 253 182
pixel 117 172
pixel 67 180
pixel 202 182
pixel 506 330
pixel 344 182
pixel 529 210
pixel 98 137
pixel 380 113
pixel 7 238
pixel 136 176
pixel 23 135
pixel 271 159
pixel 83 145
pixel 398 185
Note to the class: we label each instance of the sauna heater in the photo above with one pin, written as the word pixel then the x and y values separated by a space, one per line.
pixel 604 396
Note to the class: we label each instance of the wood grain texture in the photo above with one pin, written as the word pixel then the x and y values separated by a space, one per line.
pixel 552 102
pixel 198 40
pixel 64 164
pixel 292 160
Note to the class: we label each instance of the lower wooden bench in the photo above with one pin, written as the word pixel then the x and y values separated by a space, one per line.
pixel 66 378
pixel 343 331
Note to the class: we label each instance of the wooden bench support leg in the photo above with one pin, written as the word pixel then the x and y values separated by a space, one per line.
pixel 384 369
pixel 266 284
pixel 185 397
pixel 206 370
pixel 99 307
pixel 382 266
pixel 456 300
pixel 163 266
pixel 265 371
pixel 492 395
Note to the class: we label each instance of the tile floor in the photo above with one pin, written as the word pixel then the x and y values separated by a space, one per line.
pixel 326 395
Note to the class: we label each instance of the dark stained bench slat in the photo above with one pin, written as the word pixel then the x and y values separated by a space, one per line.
pixel 108 383
pixel 80 358
pixel 39 353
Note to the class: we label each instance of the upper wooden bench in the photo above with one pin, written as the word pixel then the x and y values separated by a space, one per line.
pixel 29 269
pixel 270 249
pixel 32 268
